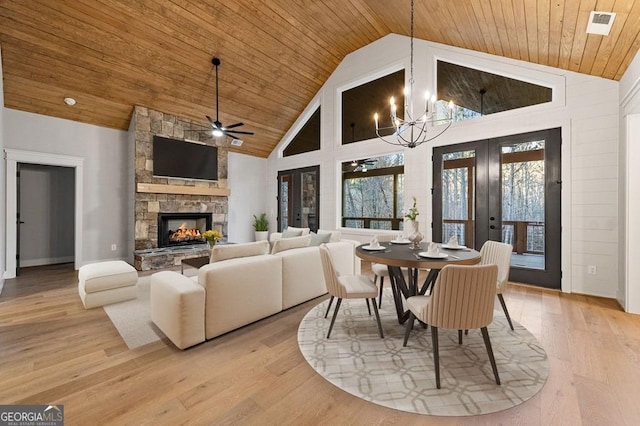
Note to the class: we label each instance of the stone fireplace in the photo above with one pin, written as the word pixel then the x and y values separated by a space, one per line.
pixel 195 200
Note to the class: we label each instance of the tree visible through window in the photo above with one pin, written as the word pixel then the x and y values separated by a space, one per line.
pixel 372 192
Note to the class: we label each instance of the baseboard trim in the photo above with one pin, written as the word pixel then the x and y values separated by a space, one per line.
pixel 46 261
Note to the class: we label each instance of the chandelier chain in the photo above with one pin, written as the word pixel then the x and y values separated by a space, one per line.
pixel 413 130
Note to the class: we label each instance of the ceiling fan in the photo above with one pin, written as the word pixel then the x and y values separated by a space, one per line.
pixel 217 128
pixel 358 165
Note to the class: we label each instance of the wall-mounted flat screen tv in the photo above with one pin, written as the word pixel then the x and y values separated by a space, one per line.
pixel 182 159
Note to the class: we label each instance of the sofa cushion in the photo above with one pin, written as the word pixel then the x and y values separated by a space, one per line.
pixel 240 291
pixel 335 235
pixel 101 276
pixel 317 239
pixel 291 233
pixel 302 276
pixel 232 251
pixel 293 229
pixel 290 243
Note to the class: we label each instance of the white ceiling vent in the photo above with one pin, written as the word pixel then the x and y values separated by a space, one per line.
pixel 237 142
pixel 600 22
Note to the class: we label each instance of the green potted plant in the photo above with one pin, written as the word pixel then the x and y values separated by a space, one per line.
pixel 261 226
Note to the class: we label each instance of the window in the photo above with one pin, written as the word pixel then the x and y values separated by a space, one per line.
pixel 362 102
pixel 372 192
pixel 307 139
pixel 476 93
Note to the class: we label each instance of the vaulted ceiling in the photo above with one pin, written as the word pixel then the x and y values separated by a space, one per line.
pixel 111 55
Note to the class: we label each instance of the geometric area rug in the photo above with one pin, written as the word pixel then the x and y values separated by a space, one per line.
pixel 384 372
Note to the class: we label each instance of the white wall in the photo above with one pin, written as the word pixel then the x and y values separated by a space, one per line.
pixel 105 203
pixel 629 194
pixel 3 203
pixel 246 178
pixel 584 107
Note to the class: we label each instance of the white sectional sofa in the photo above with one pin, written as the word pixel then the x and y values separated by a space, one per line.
pixel 243 284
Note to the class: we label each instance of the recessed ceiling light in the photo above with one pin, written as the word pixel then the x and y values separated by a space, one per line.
pixel 70 101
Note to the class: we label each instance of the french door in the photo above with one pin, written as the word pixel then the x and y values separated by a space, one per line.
pixel 298 198
pixel 504 189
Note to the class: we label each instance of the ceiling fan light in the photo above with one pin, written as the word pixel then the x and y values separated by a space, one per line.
pixel 217 133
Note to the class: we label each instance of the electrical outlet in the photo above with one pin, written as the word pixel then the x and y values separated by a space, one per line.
pixel 591 270
pixel 113 247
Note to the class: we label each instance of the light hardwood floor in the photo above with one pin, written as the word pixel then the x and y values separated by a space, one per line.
pixel 54 351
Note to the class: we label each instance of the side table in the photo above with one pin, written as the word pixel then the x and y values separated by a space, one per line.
pixel 194 262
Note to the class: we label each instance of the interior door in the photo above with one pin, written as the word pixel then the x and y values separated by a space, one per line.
pixel 504 189
pixel 298 198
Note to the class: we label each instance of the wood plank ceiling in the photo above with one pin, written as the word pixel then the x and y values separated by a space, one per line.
pixel 111 55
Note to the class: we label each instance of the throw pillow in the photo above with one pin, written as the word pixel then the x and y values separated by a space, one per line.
pixel 291 233
pixel 335 235
pixel 231 251
pixel 290 243
pixel 317 239
pixel 305 231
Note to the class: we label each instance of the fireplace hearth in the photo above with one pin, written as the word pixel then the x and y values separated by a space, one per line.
pixel 181 229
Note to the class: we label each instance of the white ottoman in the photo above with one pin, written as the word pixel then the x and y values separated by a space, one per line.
pixel 104 283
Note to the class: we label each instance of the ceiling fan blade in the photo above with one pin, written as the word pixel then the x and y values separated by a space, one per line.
pixel 234 125
pixel 213 123
pixel 238 132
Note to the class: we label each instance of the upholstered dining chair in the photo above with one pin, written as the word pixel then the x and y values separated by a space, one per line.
pixel 462 299
pixel 497 253
pixel 380 270
pixel 347 287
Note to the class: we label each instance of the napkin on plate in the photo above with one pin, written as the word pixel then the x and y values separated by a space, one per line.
pixel 400 237
pixel 434 249
pixel 453 241
pixel 374 242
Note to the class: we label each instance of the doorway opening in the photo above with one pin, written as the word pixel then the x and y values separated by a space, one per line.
pixel 13 158
pixel 45 224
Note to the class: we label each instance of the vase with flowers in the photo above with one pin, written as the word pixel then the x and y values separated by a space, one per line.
pixel 411 225
pixel 212 236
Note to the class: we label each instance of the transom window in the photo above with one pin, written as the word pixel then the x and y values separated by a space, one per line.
pixel 372 192
pixel 307 139
pixel 476 93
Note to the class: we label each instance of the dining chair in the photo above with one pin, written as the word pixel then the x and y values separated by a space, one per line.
pixel 347 287
pixel 381 270
pixel 497 253
pixel 462 299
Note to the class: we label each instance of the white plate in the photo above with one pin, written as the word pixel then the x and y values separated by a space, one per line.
pixel 400 242
pixel 433 256
pixel 445 246
pixel 374 248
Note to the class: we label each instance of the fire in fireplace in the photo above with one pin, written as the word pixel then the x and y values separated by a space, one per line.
pixel 176 229
pixel 185 235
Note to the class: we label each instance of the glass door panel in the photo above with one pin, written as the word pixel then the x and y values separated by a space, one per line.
pixel 523 202
pixel 458 197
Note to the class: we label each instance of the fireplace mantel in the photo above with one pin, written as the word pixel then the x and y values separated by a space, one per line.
pixel 154 188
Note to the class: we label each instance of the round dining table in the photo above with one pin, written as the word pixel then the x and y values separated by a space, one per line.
pixel 397 255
